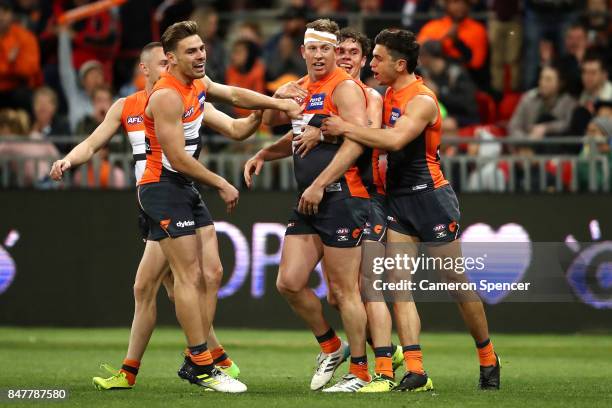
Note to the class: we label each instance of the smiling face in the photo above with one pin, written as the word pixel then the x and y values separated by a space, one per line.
pixel 320 58
pixel 349 56
pixel 189 57
pixel 386 69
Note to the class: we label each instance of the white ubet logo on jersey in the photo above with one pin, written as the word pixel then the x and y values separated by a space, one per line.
pixel 183 224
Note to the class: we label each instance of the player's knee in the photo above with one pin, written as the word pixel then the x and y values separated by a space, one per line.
pixel 144 291
pixel 191 276
pixel 213 276
pixel 342 293
pixel 287 287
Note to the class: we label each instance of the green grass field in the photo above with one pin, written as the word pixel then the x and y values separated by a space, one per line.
pixel 537 370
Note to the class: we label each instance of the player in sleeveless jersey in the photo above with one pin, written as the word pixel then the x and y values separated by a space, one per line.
pixel 331 212
pixel 422 205
pixel 351 55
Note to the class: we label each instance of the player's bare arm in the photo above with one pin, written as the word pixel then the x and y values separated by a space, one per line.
pixel 278 150
pixel 236 129
pixel 247 99
pixel 166 107
pixel 84 151
pixel 351 103
pixel 375 108
pixel 423 112
pixel 290 90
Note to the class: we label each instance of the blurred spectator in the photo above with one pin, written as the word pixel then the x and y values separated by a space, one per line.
pixel 506 38
pixel 136 83
pixel 597 21
pixel 77 89
pixel 250 30
pixel 545 110
pixel 487 176
pixel 19 61
pixel 208 25
pixel 544 19
pixel 30 159
pixel 100 172
pixel 599 137
pixel 451 83
pixel 324 8
pixel 603 108
pixel 93 38
pixel 373 23
pixel 463 38
pixel 575 47
pixel 133 14
pixel 31 15
pixel 282 52
pixel 102 99
pixel 169 12
pixel 246 70
pixel 47 123
pixel 595 82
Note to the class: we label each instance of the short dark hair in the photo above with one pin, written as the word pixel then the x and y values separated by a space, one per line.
pixel 176 32
pixel 595 56
pixel 150 46
pixel 349 33
pixel 401 44
pixel 324 24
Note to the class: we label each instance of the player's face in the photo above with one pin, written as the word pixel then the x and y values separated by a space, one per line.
pixel 189 57
pixel 320 58
pixel 384 67
pixel 350 57
pixel 154 64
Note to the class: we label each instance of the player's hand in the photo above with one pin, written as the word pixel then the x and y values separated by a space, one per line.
pixel 58 169
pixel 310 200
pixel 292 108
pixel 307 140
pixel 229 194
pixel 252 166
pixel 333 126
pixel 291 90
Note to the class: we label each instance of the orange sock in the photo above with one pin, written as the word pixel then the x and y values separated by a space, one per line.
pixel 329 341
pixel 359 368
pixel 203 359
pixel 130 368
pixel 220 357
pixel 384 362
pixel 413 358
pixel 486 354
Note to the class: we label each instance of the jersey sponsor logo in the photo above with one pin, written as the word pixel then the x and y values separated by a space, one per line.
pixel 202 99
pixel 395 114
pixel 333 187
pixel 183 224
pixel 342 238
pixel 419 187
pixel 342 231
pixel 134 120
pixel 441 234
pixel 188 113
pixel 316 101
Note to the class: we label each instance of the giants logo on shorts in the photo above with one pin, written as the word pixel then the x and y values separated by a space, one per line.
pixel 316 101
pixel 452 227
pixel 134 120
pixel 356 233
pixel 395 114
pixel 378 229
pixel 164 224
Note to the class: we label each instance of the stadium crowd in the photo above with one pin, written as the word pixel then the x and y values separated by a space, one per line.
pixel 527 69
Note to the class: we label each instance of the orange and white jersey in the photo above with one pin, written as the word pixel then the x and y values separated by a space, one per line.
pixel 158 168
pixel 132 120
